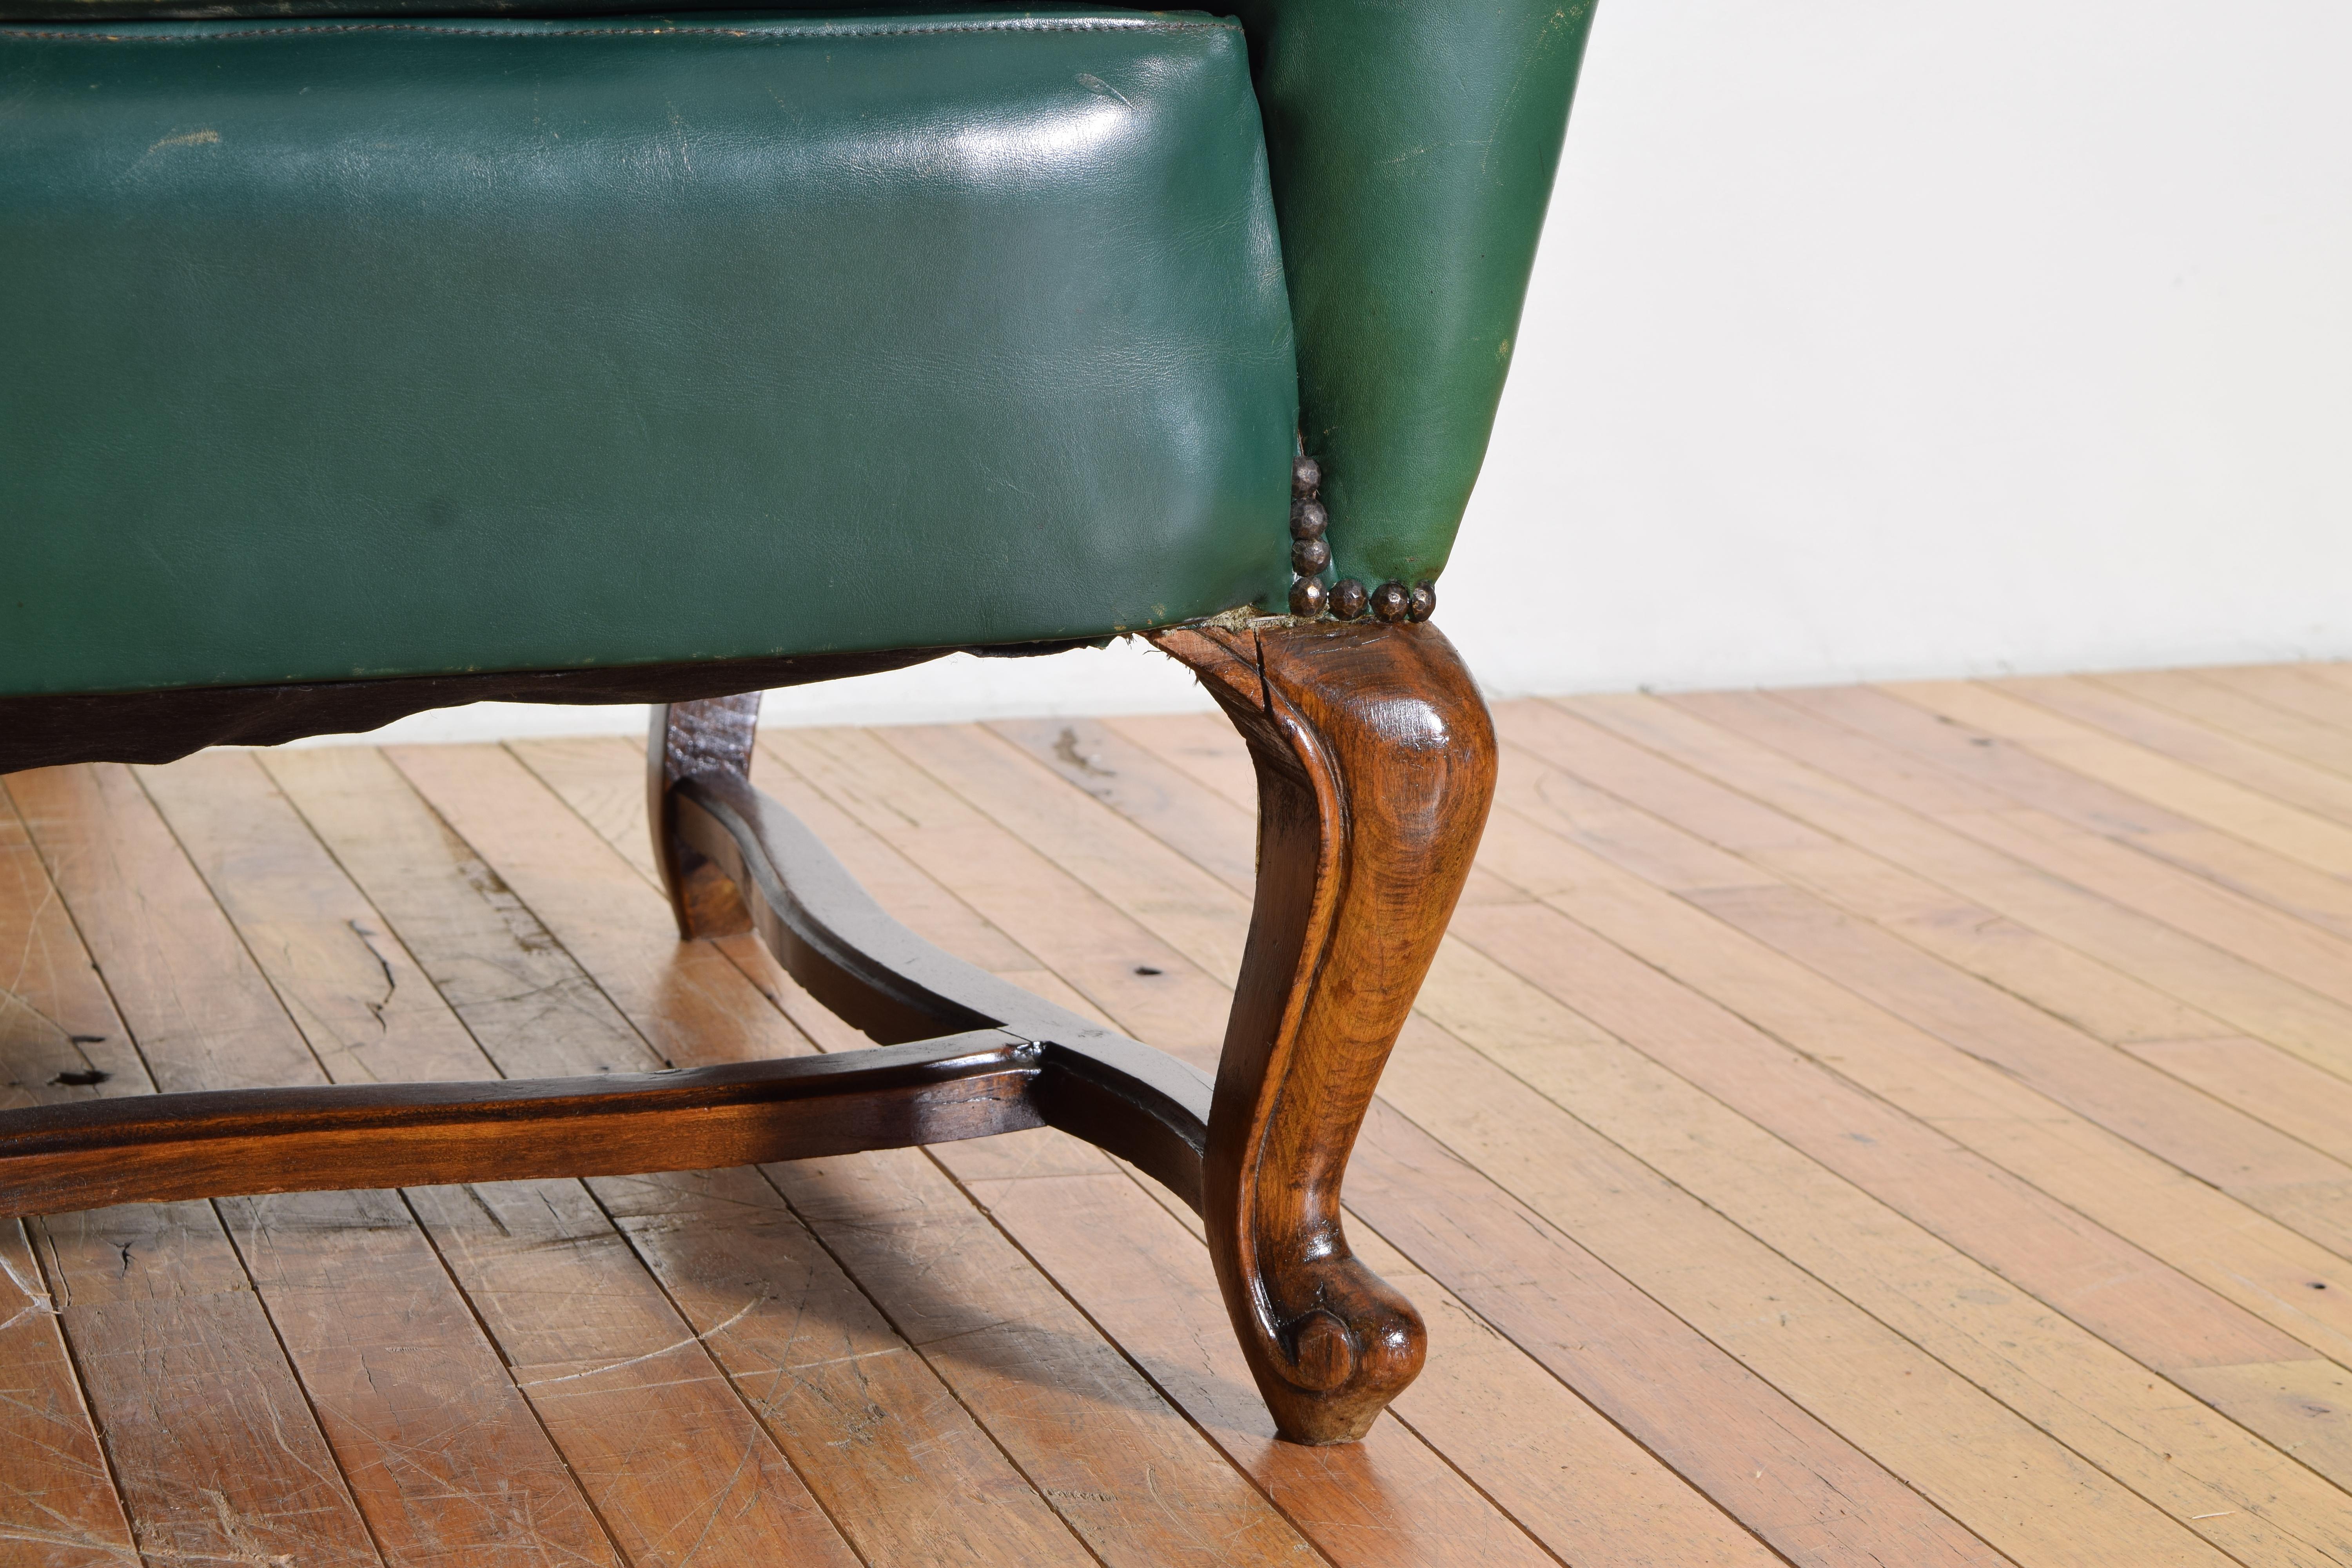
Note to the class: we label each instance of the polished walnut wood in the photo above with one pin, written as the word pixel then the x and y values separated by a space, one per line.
pixel 1375 764
pixel 153 1148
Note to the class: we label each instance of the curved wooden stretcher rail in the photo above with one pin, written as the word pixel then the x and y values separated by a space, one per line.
pixel 1011 1061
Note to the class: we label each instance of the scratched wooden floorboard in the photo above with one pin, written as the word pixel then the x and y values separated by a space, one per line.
pixel 1394 1500
pixel 2102 1403
pixel 1906 1013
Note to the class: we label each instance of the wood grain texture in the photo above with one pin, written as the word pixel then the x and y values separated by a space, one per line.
pixel 866 968
pixel 1942 755
pixel 1814 915
pixel 1543 1454
pixel 1817 1497
pixel 267 870
pixel 2191 1226
pixel 61 1042
pixel 1393 1501
pixel 1375 763
pixel 2102 1404
pixel 218 1454
pixel 681 1470
pixel 57 1503
pixel 2211 749
pixel 2242 710
pixel 1121 1094
pixel 660 1498
pixel 904 1467
pixel 2317 694
pixel 1455 1525
pixel 410 1395
pixel 216 1449
pixel 1132 1479
pixel 1434 1084
pixel 1832 1133
pixel 245 837
pixel 2176 1237
pixel 1387 1500
pixel 2202 796
pixel 684 738
pixel 162 1147
pixel 2218 948
pixel 879 1439
pixel 2067 838
pixel 1136 1482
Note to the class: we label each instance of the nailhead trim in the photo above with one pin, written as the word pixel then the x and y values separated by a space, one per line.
pixel 1310 552
pixel 1310 556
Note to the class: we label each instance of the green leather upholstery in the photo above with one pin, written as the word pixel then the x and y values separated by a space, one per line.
pixel 333 350
pixel 1413 145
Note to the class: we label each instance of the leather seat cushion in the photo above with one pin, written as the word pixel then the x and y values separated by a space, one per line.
pixel 403 348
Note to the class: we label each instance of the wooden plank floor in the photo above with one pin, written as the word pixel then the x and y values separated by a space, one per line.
pixel 1903 1125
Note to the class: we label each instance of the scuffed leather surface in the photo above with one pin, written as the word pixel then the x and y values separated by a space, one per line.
pixel 356 350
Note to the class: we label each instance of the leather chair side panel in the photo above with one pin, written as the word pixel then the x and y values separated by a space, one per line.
pixel 357 350
pixel 1414 147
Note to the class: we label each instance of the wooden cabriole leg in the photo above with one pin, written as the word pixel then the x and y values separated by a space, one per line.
pixel 1376 763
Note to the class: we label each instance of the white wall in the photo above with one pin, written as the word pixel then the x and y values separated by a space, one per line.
pixel 1886 338
pixel 1879 338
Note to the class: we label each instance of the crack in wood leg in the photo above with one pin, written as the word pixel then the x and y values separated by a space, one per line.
pixel 1375 760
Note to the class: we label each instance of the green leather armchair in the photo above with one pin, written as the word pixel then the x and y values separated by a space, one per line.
pixel 365 356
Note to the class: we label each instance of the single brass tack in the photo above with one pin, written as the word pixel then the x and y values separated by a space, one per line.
pixel 1346 599
pixel 1308 598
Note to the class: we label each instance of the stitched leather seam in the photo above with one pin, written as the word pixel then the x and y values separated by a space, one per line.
pixel 784 31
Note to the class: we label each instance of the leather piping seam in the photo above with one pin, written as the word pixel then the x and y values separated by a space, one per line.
pixel 784 31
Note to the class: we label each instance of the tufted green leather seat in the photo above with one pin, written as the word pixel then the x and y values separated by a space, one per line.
pixel 348 339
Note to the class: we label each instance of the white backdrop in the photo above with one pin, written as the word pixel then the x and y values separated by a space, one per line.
pixel 1884 338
